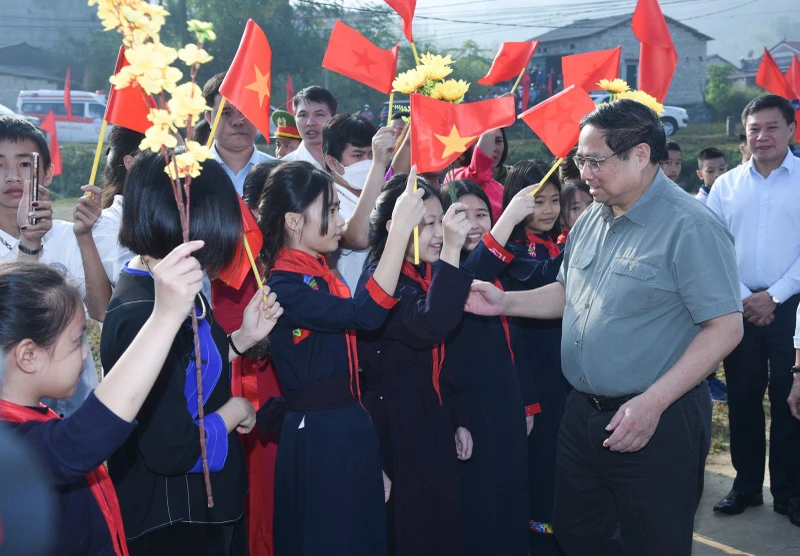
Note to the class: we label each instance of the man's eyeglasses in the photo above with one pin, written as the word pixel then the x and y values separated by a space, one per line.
pixel 593 162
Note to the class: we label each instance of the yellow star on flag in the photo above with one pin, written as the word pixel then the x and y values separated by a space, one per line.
pixel 453 143
pixel 260 85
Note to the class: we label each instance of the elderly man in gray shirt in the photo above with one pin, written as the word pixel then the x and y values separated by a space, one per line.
pixel 649 295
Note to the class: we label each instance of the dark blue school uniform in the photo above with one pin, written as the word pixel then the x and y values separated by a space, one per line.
pixel 539 353
pixel 415 428
pixel 494 482
pixel 328 485
pixel 69 449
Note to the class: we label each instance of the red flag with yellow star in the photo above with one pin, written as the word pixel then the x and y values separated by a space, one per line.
pixel 557 120
pixel 235 273
pixel 509 62
pixel 249 80
pixel 405 9
pixel 353 55
pixel 441 131
pixel 587 69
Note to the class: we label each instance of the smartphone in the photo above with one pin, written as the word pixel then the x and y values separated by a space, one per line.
pixel 34 184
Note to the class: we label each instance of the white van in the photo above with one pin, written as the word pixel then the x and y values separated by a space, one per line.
pixel 88 110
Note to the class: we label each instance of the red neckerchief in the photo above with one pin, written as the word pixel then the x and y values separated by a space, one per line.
pixel 437 350
pixel 504 322
pixel 553 249
pixel 562 238
pixel 300 262
pixel 99 481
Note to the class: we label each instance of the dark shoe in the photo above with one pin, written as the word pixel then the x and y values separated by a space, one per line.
pixel 790 509
pixel 737 502
pixel 719 392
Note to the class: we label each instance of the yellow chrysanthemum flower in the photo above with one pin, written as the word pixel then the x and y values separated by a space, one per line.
pixel 156 137
pixel 429 59
pixel 191 55
pixel 450 90
pixel 614 86
pixel 644 98
pixel 436 67
pixel 408 82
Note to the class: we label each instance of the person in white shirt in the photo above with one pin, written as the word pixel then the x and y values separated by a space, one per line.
pixel 313 107
pixel 123 145
pixel 711 164
pixel 356 155
pixel 234 140
pixel 759 202
pixel 65 246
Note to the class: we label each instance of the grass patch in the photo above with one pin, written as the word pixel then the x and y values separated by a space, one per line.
pixel 64 208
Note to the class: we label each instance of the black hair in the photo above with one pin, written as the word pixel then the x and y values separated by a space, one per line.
pixel 401 114
pixel 14 129
pixel 255 181
pixel 769 101
pixel 384 206
pixel 568 191
pixel 316 93
pixel 122 142
pixel 709 154
pixel 201 131
pixel 151 223
pixel 461 188
pixel 742 139
pixel 673 146
pixel 627 123
pixel 346 129
pixel 466 156
pixel 521 175
pixel 291 187
pixel 211 88
pixel 38 304
pixel 568 170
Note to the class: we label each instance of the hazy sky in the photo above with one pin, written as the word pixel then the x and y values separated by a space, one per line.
pixel 738 26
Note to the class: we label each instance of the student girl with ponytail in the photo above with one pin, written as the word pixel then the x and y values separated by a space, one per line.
pixel 328 489
pixel 415 408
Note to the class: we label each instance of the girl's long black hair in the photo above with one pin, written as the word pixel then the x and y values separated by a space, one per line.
pixel 521 175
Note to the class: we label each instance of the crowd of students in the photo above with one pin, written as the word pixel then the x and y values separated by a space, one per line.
pixel 352 406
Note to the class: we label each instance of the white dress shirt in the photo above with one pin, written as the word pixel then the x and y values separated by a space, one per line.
pixel 702 195
pixel 302 153
pixel 60 251
pixel 106 233
pixel 349 262
pixel 238 177
pixel 763 214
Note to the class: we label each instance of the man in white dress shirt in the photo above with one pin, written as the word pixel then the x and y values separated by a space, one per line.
pixel 759 202
pixel 313 107
pixel 234 140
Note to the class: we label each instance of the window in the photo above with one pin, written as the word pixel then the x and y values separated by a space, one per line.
pixel 96 110
pixel 632 74
pixel 44 107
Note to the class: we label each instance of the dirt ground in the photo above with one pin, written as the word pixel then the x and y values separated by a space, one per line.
pixel 757 532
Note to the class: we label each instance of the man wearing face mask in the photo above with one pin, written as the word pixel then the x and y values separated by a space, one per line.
pixel 356 155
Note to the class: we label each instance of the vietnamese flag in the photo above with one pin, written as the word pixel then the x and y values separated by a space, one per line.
pixel 249 80
pixel 127 107
pixel 68 92
pixel 405 9
pixel 351 54
pixel 237 271
pixel 586 70
pixel 770 78
pixel 289 95
pixel 793 77
pixel 657 55
pixel 511 59
pixel 49 125
pixel 441 131
pixel 556 121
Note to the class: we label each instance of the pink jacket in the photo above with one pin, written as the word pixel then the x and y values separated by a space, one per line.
pixel 480 171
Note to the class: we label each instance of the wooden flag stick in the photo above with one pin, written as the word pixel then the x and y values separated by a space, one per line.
pixel 214 127
pixel 416 57
pixel 516 83
pixel 547 177
pixel 416 234
pixel 389 115
pixel 96 162
pixel 253 264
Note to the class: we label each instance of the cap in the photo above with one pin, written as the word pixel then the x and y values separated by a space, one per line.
pixel 286 125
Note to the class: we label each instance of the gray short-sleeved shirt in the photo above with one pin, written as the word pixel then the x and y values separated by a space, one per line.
pixel 639 285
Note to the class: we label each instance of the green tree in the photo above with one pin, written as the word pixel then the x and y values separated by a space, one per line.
pixel 723 98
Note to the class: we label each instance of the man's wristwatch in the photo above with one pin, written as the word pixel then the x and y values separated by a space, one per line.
pixel 30 251
pixel 774 299
pixel 795 370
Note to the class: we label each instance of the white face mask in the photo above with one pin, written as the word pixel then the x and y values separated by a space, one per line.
pixel 356 174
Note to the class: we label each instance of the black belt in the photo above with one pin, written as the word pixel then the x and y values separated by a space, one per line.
pixel 603 403
pixel 331 393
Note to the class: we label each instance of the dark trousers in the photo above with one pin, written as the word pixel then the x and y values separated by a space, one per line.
pixel 649 496
pixel 763 360
pixel 190 539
